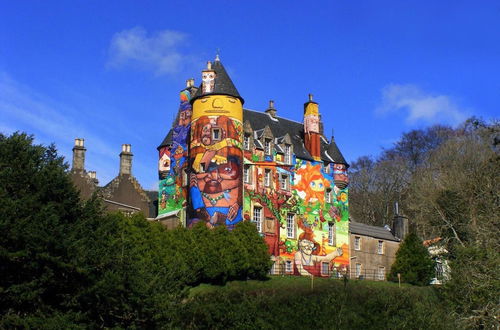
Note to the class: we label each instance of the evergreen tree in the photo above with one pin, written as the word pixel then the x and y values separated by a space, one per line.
pixel 413 262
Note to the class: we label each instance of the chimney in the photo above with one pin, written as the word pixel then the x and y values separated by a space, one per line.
pixel 126 160
pixel 400 224
pixel 93 176
pixel 312 140
pixel 79 155
pixel 271 110
pixel 190 82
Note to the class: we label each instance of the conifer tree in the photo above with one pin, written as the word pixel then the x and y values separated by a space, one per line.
pixel 413 262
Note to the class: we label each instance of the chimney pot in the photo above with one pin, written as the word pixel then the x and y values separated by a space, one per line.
pixel 310 97
pixel 209 65
pixel 271 104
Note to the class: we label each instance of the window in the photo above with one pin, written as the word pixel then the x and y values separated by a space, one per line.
pixel 127 213
pixel 381 273
pixel 288 154
pixel 328 195
pixel 290 226
pixel 331 234
pixel 380 247
pixel 325 268
pixel 247 174
pixel 439 269
pixel 184 178
pixel 272 271
pixel 288 266
pixel 358 270
pixel 357 243
pixel 284 182
pixel 267 178
pixel 246 142
pixel 216 134
pixel 267 146
pixel 257 218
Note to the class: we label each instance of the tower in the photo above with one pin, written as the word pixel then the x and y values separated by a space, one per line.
pixel 216 155
pixel 173 156
pixel 312 139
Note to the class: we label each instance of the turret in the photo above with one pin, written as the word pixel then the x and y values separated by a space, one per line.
pixel 312 132
pixel 173 159
pixel 216 155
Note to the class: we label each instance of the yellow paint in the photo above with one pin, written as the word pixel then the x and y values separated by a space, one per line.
pixel 218 105
pixel 312 109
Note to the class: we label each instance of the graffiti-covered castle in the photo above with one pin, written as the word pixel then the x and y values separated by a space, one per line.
pixel 221 164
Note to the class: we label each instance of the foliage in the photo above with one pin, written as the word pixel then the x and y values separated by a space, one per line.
pixel 450 189
pixel 413 262
pixel 66 264
pixel 289 302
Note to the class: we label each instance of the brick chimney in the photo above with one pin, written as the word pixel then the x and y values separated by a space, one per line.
pixel 78 155
pixel 126 160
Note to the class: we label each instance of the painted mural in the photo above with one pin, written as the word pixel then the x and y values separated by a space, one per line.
pixel 173 161
pixel 216 159
pixel 309 200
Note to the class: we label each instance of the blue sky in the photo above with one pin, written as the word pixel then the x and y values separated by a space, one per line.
pixel 110 71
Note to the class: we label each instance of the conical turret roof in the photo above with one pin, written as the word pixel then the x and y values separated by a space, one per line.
pixel 334 153
pixel 223 83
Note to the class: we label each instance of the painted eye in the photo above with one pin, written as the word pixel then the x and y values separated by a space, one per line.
pixel 321 185
pixel 231 100
pixel 313 184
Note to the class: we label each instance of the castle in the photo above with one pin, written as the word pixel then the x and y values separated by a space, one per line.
pixel 221 164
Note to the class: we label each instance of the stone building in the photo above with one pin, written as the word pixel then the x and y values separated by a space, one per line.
pixel 373 248
pixel 221 164
pixel 123 193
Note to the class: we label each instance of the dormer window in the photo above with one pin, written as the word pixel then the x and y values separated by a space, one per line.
pixel 246 142
pixel 288 154
pixel 267 146
pixel 216 134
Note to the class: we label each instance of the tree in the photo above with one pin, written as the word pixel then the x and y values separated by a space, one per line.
pixel 413 262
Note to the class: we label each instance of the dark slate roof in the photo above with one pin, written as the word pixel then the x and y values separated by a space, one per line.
pixel 168 140
pixel 279 127
pixel 334 153
pixel 372 231
pixel 223 83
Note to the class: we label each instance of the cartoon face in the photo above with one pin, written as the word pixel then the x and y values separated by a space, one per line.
pixel 164 163
pixel 208 81
pixel 317 185
pixel 311 124
pixel 219 178
pixel 185 117
pixel 340 175
pixel 306 246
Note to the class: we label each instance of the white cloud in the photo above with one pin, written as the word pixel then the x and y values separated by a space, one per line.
pixel 157 52
pixel 420 106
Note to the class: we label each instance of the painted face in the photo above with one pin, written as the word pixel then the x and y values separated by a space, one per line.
pixel 185 117
pixel 306 246
pixel 312 124
pixel 317 185
pixel 219 178
pixel 164 163
pixel 340 175
pixel 208 81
